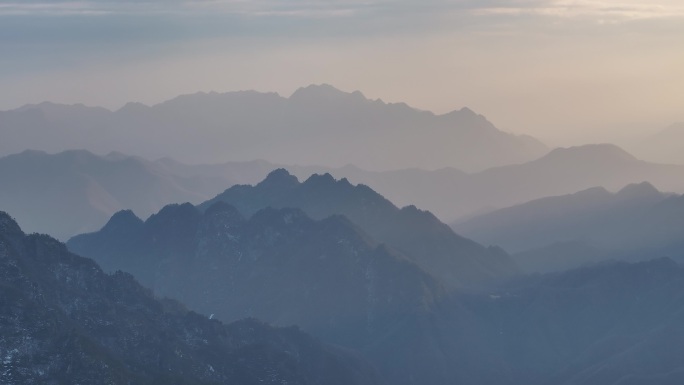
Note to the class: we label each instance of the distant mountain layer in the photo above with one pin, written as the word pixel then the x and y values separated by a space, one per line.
pixel 315 125
pixel 454 196
pixel 76 191
pixel 637 222
pixel 590 214
pixel 64 321
pixel 417 234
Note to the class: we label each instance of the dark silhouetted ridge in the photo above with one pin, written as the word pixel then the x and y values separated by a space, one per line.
pixel 417 234
pixel 123 223
pixel 637 190
pixel 123 219
pixel 279 179
pixel 326 276
pixel 64 321
pixel 8 225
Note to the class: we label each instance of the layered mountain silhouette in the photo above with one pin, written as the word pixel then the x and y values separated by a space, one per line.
pixel 281 266
pixel 76 191
pixel 315 124
pixel 612 323
pixel 64 321
pixel 278 256
pixel 562 171
pixel 584 215
pixel 454 195
pixel 637 222
pixel 417 234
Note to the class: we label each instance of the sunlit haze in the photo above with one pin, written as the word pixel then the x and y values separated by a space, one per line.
pixel 566 72
pixel 342 192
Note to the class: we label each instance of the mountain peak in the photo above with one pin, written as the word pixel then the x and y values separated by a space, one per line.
pixel 467 117
pixel 175 213
pixel 597 191
pixel 463 112
pixel 38 106
pixel 8 225
pixel 643 189
pixel 324 92
pixel 321 179
pixel 9 232
pixel 78 154
pixel 133 107
pixel 467 111
pixel 123 219
pixel 280 179
pixel 591 153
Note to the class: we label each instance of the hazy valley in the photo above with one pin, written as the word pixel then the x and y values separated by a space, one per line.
pixel 341 192
pixel 331 250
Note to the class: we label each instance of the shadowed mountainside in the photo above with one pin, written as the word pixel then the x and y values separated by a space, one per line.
pixel 638 222
pixel 63 320
pixel 604 324
pixel 417 234
pixel 281 266
pixel 615 323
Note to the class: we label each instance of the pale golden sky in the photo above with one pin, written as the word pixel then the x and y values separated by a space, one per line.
pixel 568 72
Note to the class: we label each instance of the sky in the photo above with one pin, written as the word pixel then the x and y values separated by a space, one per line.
pixel 567 72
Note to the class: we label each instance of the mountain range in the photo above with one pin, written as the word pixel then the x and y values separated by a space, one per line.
pixel 72 192
pixel 554 233
pixel 611 323
pixel 415 233
pixel 315 123
pixel 273 271
pixel 327 276
pixel 64 321
pixel 455 196
pixel 183 253
pixel 77 191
